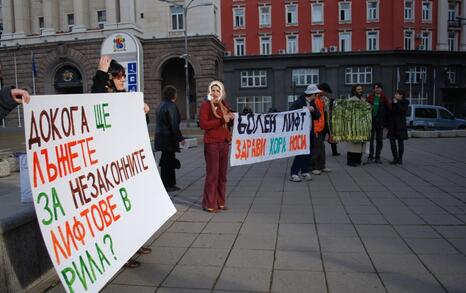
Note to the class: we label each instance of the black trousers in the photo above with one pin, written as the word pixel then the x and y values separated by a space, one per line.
pixel 334 148
pixel 318 153
pixel 167 168
pixel 377 134
pixel 397 153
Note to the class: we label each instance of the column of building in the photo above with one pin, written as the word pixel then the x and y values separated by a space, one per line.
pixel 51 14
pixel 22 18
pixel 463 26
pixel 127 12
pixel 7 16
pixel 81 15
pixel 442 29
pixel 112 10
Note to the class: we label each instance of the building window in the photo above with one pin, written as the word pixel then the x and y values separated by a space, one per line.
pixel 253 78
pixel 258 104
pixel 452 11
pixel 266 45
pixel 264 16
pixel 372 41
pixel 239 47
pixel 292 44
pixel 291 99
pixel 427 11
pixel 409 40
pixel 416 74
pixel 361 75
pixel 291 14
pixel 426 41
pixel 345 42
pixel 409 10
pixel 70 19
pixel 345 11
pixel 177 17
pixel 101 18
pixel 238 17
pixel 1 32
pixel 41 22
pixel 317 13
pixel 452 41
pixel 372 10
pixel 317 43
pixel 305 76
pixel 451 75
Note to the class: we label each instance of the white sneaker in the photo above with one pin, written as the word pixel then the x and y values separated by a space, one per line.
pixel 306 176
pixel 327 170
pixel 295 178
pixel 316 172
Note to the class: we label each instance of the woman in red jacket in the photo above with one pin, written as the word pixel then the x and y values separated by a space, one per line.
pixel 216 119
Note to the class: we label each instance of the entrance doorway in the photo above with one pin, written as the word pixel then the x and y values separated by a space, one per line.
pixel 68 80
pixel 173 73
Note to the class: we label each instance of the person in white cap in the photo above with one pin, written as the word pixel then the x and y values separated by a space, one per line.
pixel 301 163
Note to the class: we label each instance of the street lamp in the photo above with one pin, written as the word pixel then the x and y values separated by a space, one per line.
pixel 185 56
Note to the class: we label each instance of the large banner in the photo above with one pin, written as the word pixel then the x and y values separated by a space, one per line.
pixel 96 189
pixel 263 137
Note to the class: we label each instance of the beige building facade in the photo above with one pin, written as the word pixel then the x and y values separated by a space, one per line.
pixel 65 37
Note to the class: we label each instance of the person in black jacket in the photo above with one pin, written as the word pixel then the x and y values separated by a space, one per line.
pixel 168 137
pixel 10 98
pixel 397 130
pixel 301 163
pixel 110 78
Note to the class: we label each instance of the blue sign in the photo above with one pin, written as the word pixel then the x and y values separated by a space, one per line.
pixel 132 68
pixel 132 88
pixel 132 78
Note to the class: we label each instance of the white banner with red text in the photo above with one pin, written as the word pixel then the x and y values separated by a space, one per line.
pixel 95 185
pixel 263 137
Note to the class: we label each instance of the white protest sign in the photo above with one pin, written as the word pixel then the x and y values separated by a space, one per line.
pixel 96 189
pixel 264 137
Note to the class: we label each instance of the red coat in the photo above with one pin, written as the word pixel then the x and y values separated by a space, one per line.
pixel 215 130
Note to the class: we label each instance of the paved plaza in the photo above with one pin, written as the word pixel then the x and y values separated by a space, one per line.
pixel 376 228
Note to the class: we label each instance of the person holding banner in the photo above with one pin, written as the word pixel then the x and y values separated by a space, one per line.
pixel 168 137
pixel 301 163
pixel 216 119
pixel 10 97
pixel 110 78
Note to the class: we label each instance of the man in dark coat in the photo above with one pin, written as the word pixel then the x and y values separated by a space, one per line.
pixel 397 131
pixel 380 105
pixel 10 98
pixel 168 137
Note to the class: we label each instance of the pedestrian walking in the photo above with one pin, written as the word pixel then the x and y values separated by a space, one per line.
pixel 397 131
pixel 216 118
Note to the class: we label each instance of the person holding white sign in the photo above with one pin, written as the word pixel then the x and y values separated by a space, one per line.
pixel 110 78
pixel 216 119
pixel 301 163
pixel 10 98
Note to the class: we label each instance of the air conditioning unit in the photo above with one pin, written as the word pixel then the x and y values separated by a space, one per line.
pixel 419 36
pixel 333 49
pixel 227 53
pixel 282 51
pixel 324 50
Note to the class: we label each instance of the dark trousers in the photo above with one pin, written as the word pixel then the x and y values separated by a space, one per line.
pixel 167 168
pixel 216 158
pixel 397 153
pixel 377 134
pixel 334 148
pixel 300 164
pixel 318 153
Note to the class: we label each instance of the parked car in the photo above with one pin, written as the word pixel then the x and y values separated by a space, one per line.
pixel 432 117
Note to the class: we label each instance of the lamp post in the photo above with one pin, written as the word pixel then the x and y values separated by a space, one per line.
pixel 185 56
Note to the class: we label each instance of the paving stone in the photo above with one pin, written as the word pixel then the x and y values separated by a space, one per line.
pixel 297 218
pixel 341 244
pixel 298 260
pixel 229 216
pixel 330 217
pixel 148 274
pixel 178 290
pixel 452 231
pixel 373 219
pixel 204 257
pixel 409 282
pixel 459 243
pixel 163 255
pixel 252 241
pixel 445 264
pixel 361 209
pixel 200 277
pixel 354 282
pixel 175 239
pixel 336 230
pixel 443 219
pixel 297 229
pixel 454 283
pixel 262 218
pixel 298 242
pixel 214 241
pixel 397 263
pixel 111 288
pixel 431 246
pixel 416 231
pixel 368 231
pixel 298 282
pixel 347 262
pixel 385 245
pixel 196 216
pixel 224 228
pixel 259 228
pixel 186 227
pixel 247 258
pixel 244 279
